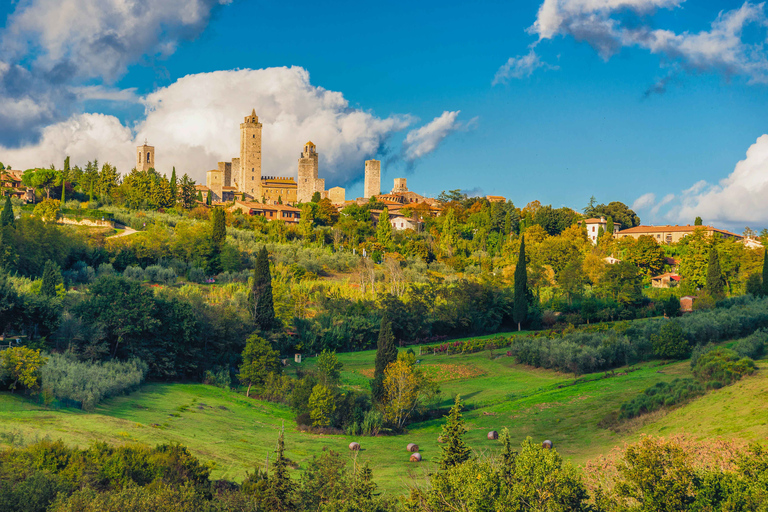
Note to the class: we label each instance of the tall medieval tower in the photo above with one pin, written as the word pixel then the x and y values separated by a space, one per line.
pixel 249 176
pixel 372 178
pixel 308 169
pixel 145 157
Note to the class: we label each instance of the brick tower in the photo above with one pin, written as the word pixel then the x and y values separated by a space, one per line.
pixel 372 178
pixel 249 176
pixel 145 157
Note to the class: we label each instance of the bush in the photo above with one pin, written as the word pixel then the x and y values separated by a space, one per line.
pixel 661 394
pixel 219 377
pixel 723 366
pixel 134 273
pixel 86 384
pixel 196 275
pixel 670 342
pixel 752 346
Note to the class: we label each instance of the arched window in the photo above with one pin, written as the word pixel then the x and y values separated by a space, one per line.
pixel 147 157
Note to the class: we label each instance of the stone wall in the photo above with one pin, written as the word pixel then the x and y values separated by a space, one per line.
pixel 87 222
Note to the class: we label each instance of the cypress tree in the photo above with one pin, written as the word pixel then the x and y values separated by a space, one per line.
pixel 51 279
pixel 520 308
pixel 174 186
pixel 280 493
pixel 200 196
pixel 64 176
pixel 384 228
pixel 7 218
pixel 386 352
pixel 262 304
pixel 209 198
pixel 455 450
pixel 609 226
pixel 714 281
pixel 765 272
pixel 218 226
pixel 508 224
pixel 697 221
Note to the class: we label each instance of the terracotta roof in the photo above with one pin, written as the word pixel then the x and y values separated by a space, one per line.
pixel 672 275
pixel 260 206
pixel 673 229
pixel 595 220
pixel 228 188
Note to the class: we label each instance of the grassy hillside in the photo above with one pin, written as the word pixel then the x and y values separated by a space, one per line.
pixel 234 433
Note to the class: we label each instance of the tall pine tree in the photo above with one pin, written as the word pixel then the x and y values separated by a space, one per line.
pixel 386 352
pixel 609 226
pixel 64 178
pixel 280 493
pixel 218 227
pixel 7 218
pixel 384 228
pixel 455 450
pixel 520 308
pixel 715 282
pixel 262 304
pixel 51 279
pixel 765 272
pixel 174 187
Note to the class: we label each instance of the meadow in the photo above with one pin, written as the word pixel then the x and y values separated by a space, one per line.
pixel 235 434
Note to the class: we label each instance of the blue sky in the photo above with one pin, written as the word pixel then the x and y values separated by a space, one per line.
pixel 580 122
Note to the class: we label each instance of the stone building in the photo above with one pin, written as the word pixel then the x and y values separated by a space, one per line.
pixel 277 190
pixel 594 225
pixel 673 234
pixel 337 195
pixel 145 157
pixel 372 178
pixel 401 186
pixel 308 182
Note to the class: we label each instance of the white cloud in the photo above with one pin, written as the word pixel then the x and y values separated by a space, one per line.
pixel 49 48
pixel 737 200
pixel 422 141
pixel 644 201
pixel 195 123
pixel 607 27
pixel 520 67
pixel 664 201
pixel 83 137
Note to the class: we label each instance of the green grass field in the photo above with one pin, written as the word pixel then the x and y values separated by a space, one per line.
pixel 235 434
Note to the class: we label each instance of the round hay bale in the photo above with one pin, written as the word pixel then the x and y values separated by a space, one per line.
pixel 412 447
pixel 493 435
pixel 416 457
pixel 547 444
pixel 354 446
pixel 440 439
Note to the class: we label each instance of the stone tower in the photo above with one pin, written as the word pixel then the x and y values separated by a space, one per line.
pixel 308 168
pixel 249 176
pixel 401 186
pixel 145 157
pixel 372 178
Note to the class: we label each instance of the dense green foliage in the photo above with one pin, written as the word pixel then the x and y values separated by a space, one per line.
pixel 661 394
pixel 85 384
pixel 454 451
pixel 386 353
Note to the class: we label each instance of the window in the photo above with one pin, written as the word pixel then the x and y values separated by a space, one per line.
pixel 139 157
pixel 147 157
pixel 593 229
pixel 254 135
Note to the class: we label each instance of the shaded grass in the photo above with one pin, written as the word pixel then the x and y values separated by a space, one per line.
pixel 234 434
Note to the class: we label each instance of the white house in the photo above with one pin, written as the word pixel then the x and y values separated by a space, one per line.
pixel 401 222
pixel 594 225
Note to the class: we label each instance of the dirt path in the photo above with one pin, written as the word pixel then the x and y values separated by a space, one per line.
pixel 128 231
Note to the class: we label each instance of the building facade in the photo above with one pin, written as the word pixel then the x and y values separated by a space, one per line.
pixel 673 234
pixel 594 225
pixel 277 190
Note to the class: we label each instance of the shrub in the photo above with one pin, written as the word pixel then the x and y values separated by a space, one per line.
pixel 134 273
pixel 661 394
pixel 67 379
pixel 219 377
pixel 670 342
pixel 196 275
pixel 722 365
pixel 752 346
